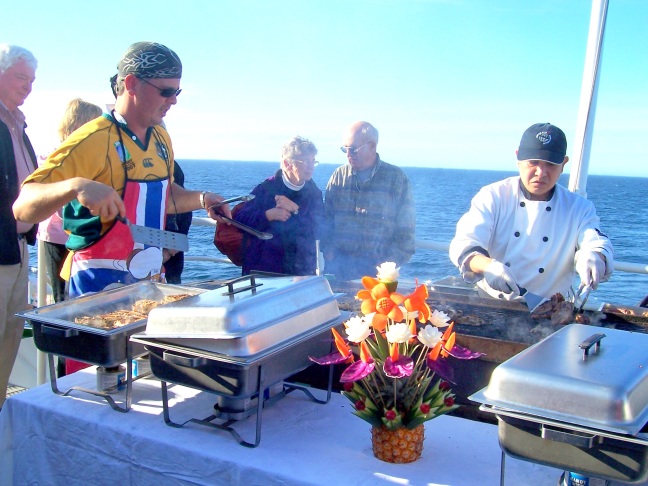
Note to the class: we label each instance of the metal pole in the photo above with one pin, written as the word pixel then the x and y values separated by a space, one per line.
pixel 589 93
pixel 41 362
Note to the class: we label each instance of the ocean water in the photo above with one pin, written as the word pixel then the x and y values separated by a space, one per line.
pixel 441 197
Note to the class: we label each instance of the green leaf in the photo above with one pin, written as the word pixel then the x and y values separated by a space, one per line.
pixel 372 419
pixel 383 346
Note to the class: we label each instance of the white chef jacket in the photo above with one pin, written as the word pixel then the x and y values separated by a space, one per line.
pixel 537 240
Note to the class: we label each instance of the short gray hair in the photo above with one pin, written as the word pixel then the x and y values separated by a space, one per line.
pixel 10 54
pixel 297 146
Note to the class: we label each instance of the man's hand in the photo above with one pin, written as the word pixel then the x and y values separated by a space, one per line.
pixel 215 209
pixel 590 267
pixel 100 199
pixel 498 277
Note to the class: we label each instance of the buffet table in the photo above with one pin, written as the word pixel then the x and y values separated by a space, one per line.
pixel 79 439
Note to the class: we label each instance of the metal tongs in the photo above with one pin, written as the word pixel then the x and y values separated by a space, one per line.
pixel 581 297
pixel 248 197
pixel 245 198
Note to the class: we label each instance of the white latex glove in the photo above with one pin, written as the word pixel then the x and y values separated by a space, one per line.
pixel 498 277
pixel 591 268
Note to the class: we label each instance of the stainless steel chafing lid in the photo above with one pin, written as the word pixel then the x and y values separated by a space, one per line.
pixel 607 388
pixel 218 314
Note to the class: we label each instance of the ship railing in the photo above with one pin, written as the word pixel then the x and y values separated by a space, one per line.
pixel 442 246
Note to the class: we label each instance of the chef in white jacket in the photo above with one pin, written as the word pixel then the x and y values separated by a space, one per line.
pixel 528 232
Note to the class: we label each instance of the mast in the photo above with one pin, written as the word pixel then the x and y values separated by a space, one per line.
pixel 589 94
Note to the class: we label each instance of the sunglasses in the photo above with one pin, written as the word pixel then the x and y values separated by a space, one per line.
pixel 164 92
pixel 351 150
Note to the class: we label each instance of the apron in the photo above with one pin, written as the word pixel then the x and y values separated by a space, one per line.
pixel 115 259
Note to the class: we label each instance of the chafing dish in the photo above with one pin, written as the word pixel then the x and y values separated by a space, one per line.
pixel 57 333
pixel 577 400
pixel 241 341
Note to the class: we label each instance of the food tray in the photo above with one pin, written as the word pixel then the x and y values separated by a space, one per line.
pixel 606 390
pixel 56 332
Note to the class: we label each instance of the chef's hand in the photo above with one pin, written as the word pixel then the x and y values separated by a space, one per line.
pixel 590 266
pixel 498 277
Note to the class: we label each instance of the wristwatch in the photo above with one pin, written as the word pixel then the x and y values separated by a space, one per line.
pixel 202 200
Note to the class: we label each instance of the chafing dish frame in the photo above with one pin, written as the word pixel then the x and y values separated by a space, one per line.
pixel 127 351
pixel 574 439
pixel 165 355
pixel 559 437
pixel 193 358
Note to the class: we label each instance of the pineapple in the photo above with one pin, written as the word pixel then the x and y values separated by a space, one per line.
pixel 397 446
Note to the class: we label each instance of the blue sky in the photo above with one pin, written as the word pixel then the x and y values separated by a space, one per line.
pixel 448 83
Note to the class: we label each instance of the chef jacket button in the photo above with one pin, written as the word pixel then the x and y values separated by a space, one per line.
pixel 545 239
pixel 507 264
pixel 548 208
pixel 541 270
pixel 500 296
pixel 522 204
pixel 517 234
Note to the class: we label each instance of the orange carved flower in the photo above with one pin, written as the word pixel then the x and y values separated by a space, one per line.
pixel 376 298
pixel 416 301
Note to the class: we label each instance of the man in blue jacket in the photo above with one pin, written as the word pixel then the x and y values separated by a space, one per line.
pixel 17 161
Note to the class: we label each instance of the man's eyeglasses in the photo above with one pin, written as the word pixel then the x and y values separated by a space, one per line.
pixel 351 150
pixel 164 92
pixel 314 163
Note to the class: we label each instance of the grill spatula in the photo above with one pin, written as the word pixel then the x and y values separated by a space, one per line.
pixel 157 237
pixel 533 301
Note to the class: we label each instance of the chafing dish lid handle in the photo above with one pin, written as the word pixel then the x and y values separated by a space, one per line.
pixel 594 339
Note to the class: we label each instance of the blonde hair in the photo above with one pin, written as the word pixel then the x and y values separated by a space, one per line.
pixel 77 113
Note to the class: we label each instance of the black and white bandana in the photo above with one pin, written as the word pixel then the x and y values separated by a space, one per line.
pixel 149 60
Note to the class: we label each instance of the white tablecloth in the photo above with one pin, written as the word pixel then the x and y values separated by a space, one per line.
pixel 47 439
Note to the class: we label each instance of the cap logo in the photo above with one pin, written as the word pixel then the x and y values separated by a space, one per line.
pixel 544 138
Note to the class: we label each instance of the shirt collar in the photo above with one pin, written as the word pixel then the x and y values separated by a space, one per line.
pixel 16 117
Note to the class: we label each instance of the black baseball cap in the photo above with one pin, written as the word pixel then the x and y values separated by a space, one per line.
pixel 543 141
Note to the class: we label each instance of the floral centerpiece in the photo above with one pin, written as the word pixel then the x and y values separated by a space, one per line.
pixel 398 375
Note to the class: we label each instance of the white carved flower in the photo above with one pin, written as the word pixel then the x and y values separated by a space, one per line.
pixel 439 319
pixel 357 329
pixel 429 336
pixel 398 333
pixel 388 272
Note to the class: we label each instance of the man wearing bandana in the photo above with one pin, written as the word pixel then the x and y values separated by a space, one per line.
pixel 120 164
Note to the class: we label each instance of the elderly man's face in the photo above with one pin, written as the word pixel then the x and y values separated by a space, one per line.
pixel 539 177
pixel 16 84
pixel 361 153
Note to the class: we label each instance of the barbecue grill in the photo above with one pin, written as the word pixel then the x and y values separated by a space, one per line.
pixel 577 400
pixel 57 333
pixel 240 342
pixel 500 329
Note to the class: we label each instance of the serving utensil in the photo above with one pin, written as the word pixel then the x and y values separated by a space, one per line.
pixel 533 301
pixel 157 237
pixel 244 198
pixel 259 234
pixel 581 297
